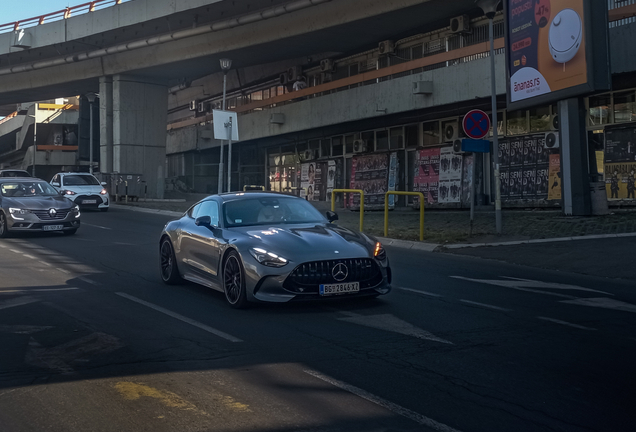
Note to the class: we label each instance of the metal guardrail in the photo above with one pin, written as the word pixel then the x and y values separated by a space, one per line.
pixel 386 210
pixel 59 15
pixel 359 191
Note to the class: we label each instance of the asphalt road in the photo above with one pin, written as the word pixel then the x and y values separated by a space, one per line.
pixel 91 340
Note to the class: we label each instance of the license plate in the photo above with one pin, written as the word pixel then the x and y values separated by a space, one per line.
pixel 341 288
pixel 89 202
pixel 52 227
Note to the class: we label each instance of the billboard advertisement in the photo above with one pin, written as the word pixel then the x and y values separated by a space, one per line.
pixel 550 54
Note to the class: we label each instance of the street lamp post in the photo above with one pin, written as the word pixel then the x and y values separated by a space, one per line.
pixel 489 7
pixel 226 64
pixel 35 137
pixel 91 98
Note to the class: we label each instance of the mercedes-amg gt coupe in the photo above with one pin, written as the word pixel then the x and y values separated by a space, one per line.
pixel 270 247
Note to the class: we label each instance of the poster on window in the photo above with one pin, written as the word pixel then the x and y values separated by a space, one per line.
pixel 620 145
pixel 467 178
pixel 308 180
pixel 620 180
pixel 371 174
pixel 554 191
pixel 331 178
pixel 426 175
pixel 450 176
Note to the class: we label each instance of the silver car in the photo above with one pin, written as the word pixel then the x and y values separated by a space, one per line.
pixel 30 204
pixel 259 246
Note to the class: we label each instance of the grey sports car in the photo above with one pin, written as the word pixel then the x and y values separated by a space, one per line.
pixel 263 246
pixel 31 204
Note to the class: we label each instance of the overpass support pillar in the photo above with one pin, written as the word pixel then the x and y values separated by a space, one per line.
pixel 106 124
pixel 138 114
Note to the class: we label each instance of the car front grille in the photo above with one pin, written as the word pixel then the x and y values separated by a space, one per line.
pixel 45 215
pixel 80 200
pixel 307 277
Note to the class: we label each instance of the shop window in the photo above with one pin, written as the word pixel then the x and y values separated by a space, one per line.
pixel 382 140
pixel 599 110
pixel 314 144
pixel 337 147
pixel 349 143
pixel 540 119
pixel 325 148
pixel 430 135
pixel 517 123
pixel 396 138
pixel 500 124
pixel 369 138
pixel 410 135
pixel 624 107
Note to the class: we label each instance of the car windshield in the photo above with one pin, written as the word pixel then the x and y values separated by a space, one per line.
pixel 262 211
pixel 15 174
pixel 27 189
pixel 80 180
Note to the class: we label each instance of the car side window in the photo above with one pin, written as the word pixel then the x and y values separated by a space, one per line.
pixel 209 208
pixel 193 211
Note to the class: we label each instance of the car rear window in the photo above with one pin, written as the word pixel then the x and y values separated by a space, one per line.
pixel 80 180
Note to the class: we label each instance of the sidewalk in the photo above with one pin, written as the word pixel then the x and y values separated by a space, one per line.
pixel 604 246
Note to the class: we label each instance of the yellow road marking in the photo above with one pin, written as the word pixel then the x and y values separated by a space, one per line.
pixel 134 391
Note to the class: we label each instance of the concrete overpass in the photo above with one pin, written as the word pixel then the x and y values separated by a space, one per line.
pixel 133 52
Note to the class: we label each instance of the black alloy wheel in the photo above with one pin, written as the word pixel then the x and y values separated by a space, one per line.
pixel 169 271
pixel 4 230
pixel 234 281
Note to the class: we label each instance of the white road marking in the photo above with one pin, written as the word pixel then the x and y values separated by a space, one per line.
pixel 397 409
pixel 516 283
pixel 62 270
pixel 181 318
pixel 23 329
pixel 20 301
pixel 2 246
pixel 565 323
pixel 486 305
pixel 391 323
pixel 46 264
pixel 417 291
pixel 96 226
pixel 87 280
pixel 29 256
pixel 9 291
pixel 605 303
pixel 15 251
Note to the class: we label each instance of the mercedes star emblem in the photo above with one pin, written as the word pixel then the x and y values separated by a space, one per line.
pixel 340 272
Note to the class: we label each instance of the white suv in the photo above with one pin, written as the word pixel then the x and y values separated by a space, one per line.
pixel 83 189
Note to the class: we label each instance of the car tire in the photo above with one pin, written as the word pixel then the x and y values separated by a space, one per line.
pixel 103 209
pixel 4 229
pixel 168 266
pixel 70 232
pixel 234 281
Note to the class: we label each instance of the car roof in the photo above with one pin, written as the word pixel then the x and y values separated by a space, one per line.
pixel 233 196
pixel 31 179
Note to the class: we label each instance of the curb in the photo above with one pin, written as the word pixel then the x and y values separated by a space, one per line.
pixel 550 240
pixel 147 210
pixel 408 244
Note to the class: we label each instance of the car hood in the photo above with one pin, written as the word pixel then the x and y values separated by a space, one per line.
pixel 38 203
pixel 92 189
pixel 303 242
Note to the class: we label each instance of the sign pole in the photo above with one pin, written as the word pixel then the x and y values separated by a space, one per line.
pixel 229 155
pixel 495 138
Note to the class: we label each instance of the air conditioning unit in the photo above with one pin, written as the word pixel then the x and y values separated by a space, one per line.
pixel 308 154
pixel 386 47
pixel 457 146
pixel 451 131
pixel 326 65
pixel 423 87
pixel 554 123
pixel 282 79
pixel 551 140
pixel 359 146
pixel 460 24
pixel 193 105
pixel 293 73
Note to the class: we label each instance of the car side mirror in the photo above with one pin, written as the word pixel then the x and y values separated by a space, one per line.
pixel 56 184
pixel 332 216
pixel 104 184
pixel 205 221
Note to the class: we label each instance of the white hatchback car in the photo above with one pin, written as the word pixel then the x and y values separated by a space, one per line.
pixel 83 189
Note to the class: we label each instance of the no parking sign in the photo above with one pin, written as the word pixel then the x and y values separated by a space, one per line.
pixel 476 124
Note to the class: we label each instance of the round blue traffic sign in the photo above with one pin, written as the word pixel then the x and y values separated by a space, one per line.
pixel 476 124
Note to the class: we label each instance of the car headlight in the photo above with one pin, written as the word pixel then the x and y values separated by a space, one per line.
pixel 267 258
pixel 77 211
pixel 17 212
pixel 69 192
pixel 378 251
pixel 103 192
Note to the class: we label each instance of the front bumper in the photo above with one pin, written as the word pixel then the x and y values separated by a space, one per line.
pixel 31 222
pixel 94 201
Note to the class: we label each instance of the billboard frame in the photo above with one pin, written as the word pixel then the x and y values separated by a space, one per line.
pixel 598 70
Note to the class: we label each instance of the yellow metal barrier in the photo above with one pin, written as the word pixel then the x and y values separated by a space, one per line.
pixel 360 191
pixel 253 187
pixel 386 210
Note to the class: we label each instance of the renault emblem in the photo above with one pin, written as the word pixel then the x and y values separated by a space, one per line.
pixel 340 272
pixel 52 212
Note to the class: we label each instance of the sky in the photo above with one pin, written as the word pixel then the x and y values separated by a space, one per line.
pixel 12 10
